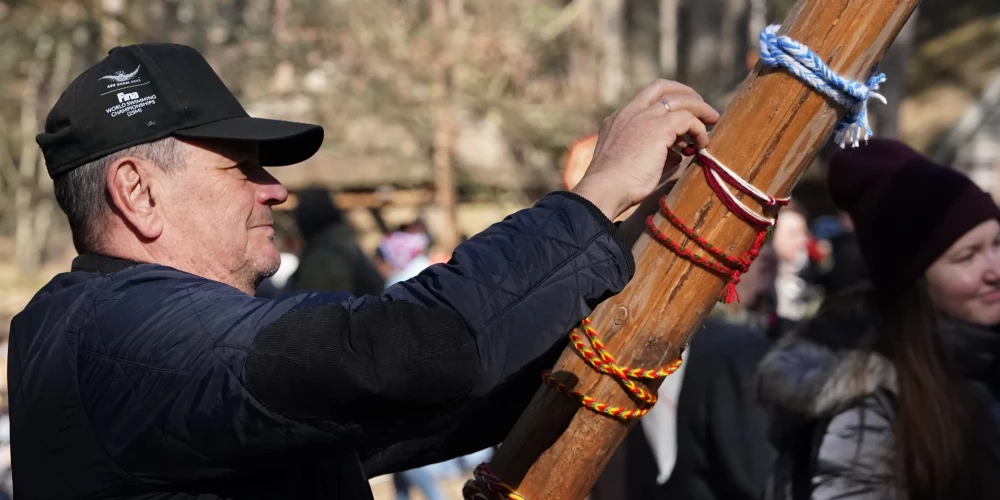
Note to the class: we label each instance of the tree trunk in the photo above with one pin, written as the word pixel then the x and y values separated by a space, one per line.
pixel 110 26
pixel 732 44
pixel 700 46
pixel 613 53
pixel 756 21
pixel 885 118
pixel 24 197
pixel 279 25
pixel 643 43
pixel 582 73
pixel 444 131
pixel 668 38
pixel 769 134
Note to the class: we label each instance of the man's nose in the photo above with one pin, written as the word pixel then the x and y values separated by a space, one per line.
pixel 270 191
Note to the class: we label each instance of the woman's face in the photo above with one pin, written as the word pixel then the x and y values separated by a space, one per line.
pixel 965 280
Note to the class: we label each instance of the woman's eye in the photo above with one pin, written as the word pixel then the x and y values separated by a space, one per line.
pixel 965 256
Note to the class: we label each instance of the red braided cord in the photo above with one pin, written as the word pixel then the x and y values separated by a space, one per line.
pixel 731 267
pixel 486 485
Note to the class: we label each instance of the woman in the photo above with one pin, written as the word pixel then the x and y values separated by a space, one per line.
pixel 891 391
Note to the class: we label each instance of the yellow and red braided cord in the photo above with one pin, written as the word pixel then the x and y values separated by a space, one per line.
pixel 601 360
pixel 487 486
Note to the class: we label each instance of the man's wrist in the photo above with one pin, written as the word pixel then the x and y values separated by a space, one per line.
pixel 596 192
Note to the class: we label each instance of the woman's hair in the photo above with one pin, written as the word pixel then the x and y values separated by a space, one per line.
pixel 941 443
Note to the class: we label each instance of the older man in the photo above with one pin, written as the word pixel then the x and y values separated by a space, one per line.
pixel 150 371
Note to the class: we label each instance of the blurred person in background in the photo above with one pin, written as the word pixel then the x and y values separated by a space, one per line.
pixel 289 244
pixel 332 260
pixel 847 266
pixel 891 391
pixel 403 253
pixel 794 296
pixel 422 478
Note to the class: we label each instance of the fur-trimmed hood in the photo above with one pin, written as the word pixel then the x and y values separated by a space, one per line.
pixel 826 364
pixel 823 367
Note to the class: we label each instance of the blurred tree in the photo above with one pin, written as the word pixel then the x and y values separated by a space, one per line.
pixel 613 55
pixel 668 38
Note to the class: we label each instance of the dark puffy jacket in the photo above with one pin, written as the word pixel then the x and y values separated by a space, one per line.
pixel 132 380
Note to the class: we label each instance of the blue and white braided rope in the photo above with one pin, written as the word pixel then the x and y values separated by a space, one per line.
pixel 782 51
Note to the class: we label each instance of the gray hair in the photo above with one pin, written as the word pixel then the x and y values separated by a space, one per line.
pixel 83 195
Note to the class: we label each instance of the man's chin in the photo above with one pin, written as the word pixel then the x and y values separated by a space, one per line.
pixel 267 263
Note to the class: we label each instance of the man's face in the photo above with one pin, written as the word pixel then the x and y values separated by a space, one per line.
pixel 219 205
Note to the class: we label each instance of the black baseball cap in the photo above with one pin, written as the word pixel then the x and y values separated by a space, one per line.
pixel 144 92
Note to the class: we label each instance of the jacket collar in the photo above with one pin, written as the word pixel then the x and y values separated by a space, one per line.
pixel 101 264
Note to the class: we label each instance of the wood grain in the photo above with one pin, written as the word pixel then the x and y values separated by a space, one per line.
pixel 769 134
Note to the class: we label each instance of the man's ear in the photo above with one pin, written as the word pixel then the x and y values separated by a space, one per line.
pixel 129 181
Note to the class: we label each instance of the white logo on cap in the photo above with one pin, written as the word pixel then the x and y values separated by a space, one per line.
pixel 121 76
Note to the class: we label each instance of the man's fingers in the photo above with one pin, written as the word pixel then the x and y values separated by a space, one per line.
pixel 660 88
pixel 683 102
pixel 684 122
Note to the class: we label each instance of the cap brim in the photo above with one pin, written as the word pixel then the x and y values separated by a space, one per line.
pixel 281 143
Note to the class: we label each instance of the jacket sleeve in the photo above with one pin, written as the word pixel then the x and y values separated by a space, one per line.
pixel 478 426
pixel 853 458
pixel 422 357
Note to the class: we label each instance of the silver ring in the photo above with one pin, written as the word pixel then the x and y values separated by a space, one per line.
pixel 666 105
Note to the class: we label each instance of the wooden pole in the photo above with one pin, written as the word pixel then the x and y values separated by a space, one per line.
pixel 771 131
pixel 444 130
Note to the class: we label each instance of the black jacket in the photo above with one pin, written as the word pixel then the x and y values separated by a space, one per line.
pixel 131 380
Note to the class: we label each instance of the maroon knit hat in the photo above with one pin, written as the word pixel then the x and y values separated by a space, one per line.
pixel 907 210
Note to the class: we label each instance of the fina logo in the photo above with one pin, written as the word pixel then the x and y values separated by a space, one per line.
pixel 127 96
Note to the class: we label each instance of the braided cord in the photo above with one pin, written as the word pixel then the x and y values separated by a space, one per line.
pixel 786 52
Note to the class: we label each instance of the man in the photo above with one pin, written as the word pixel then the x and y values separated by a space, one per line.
pixel 150 370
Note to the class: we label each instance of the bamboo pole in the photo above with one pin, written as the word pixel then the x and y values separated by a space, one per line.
pixel 770 133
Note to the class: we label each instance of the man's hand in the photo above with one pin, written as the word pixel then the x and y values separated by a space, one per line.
pixel 634 144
